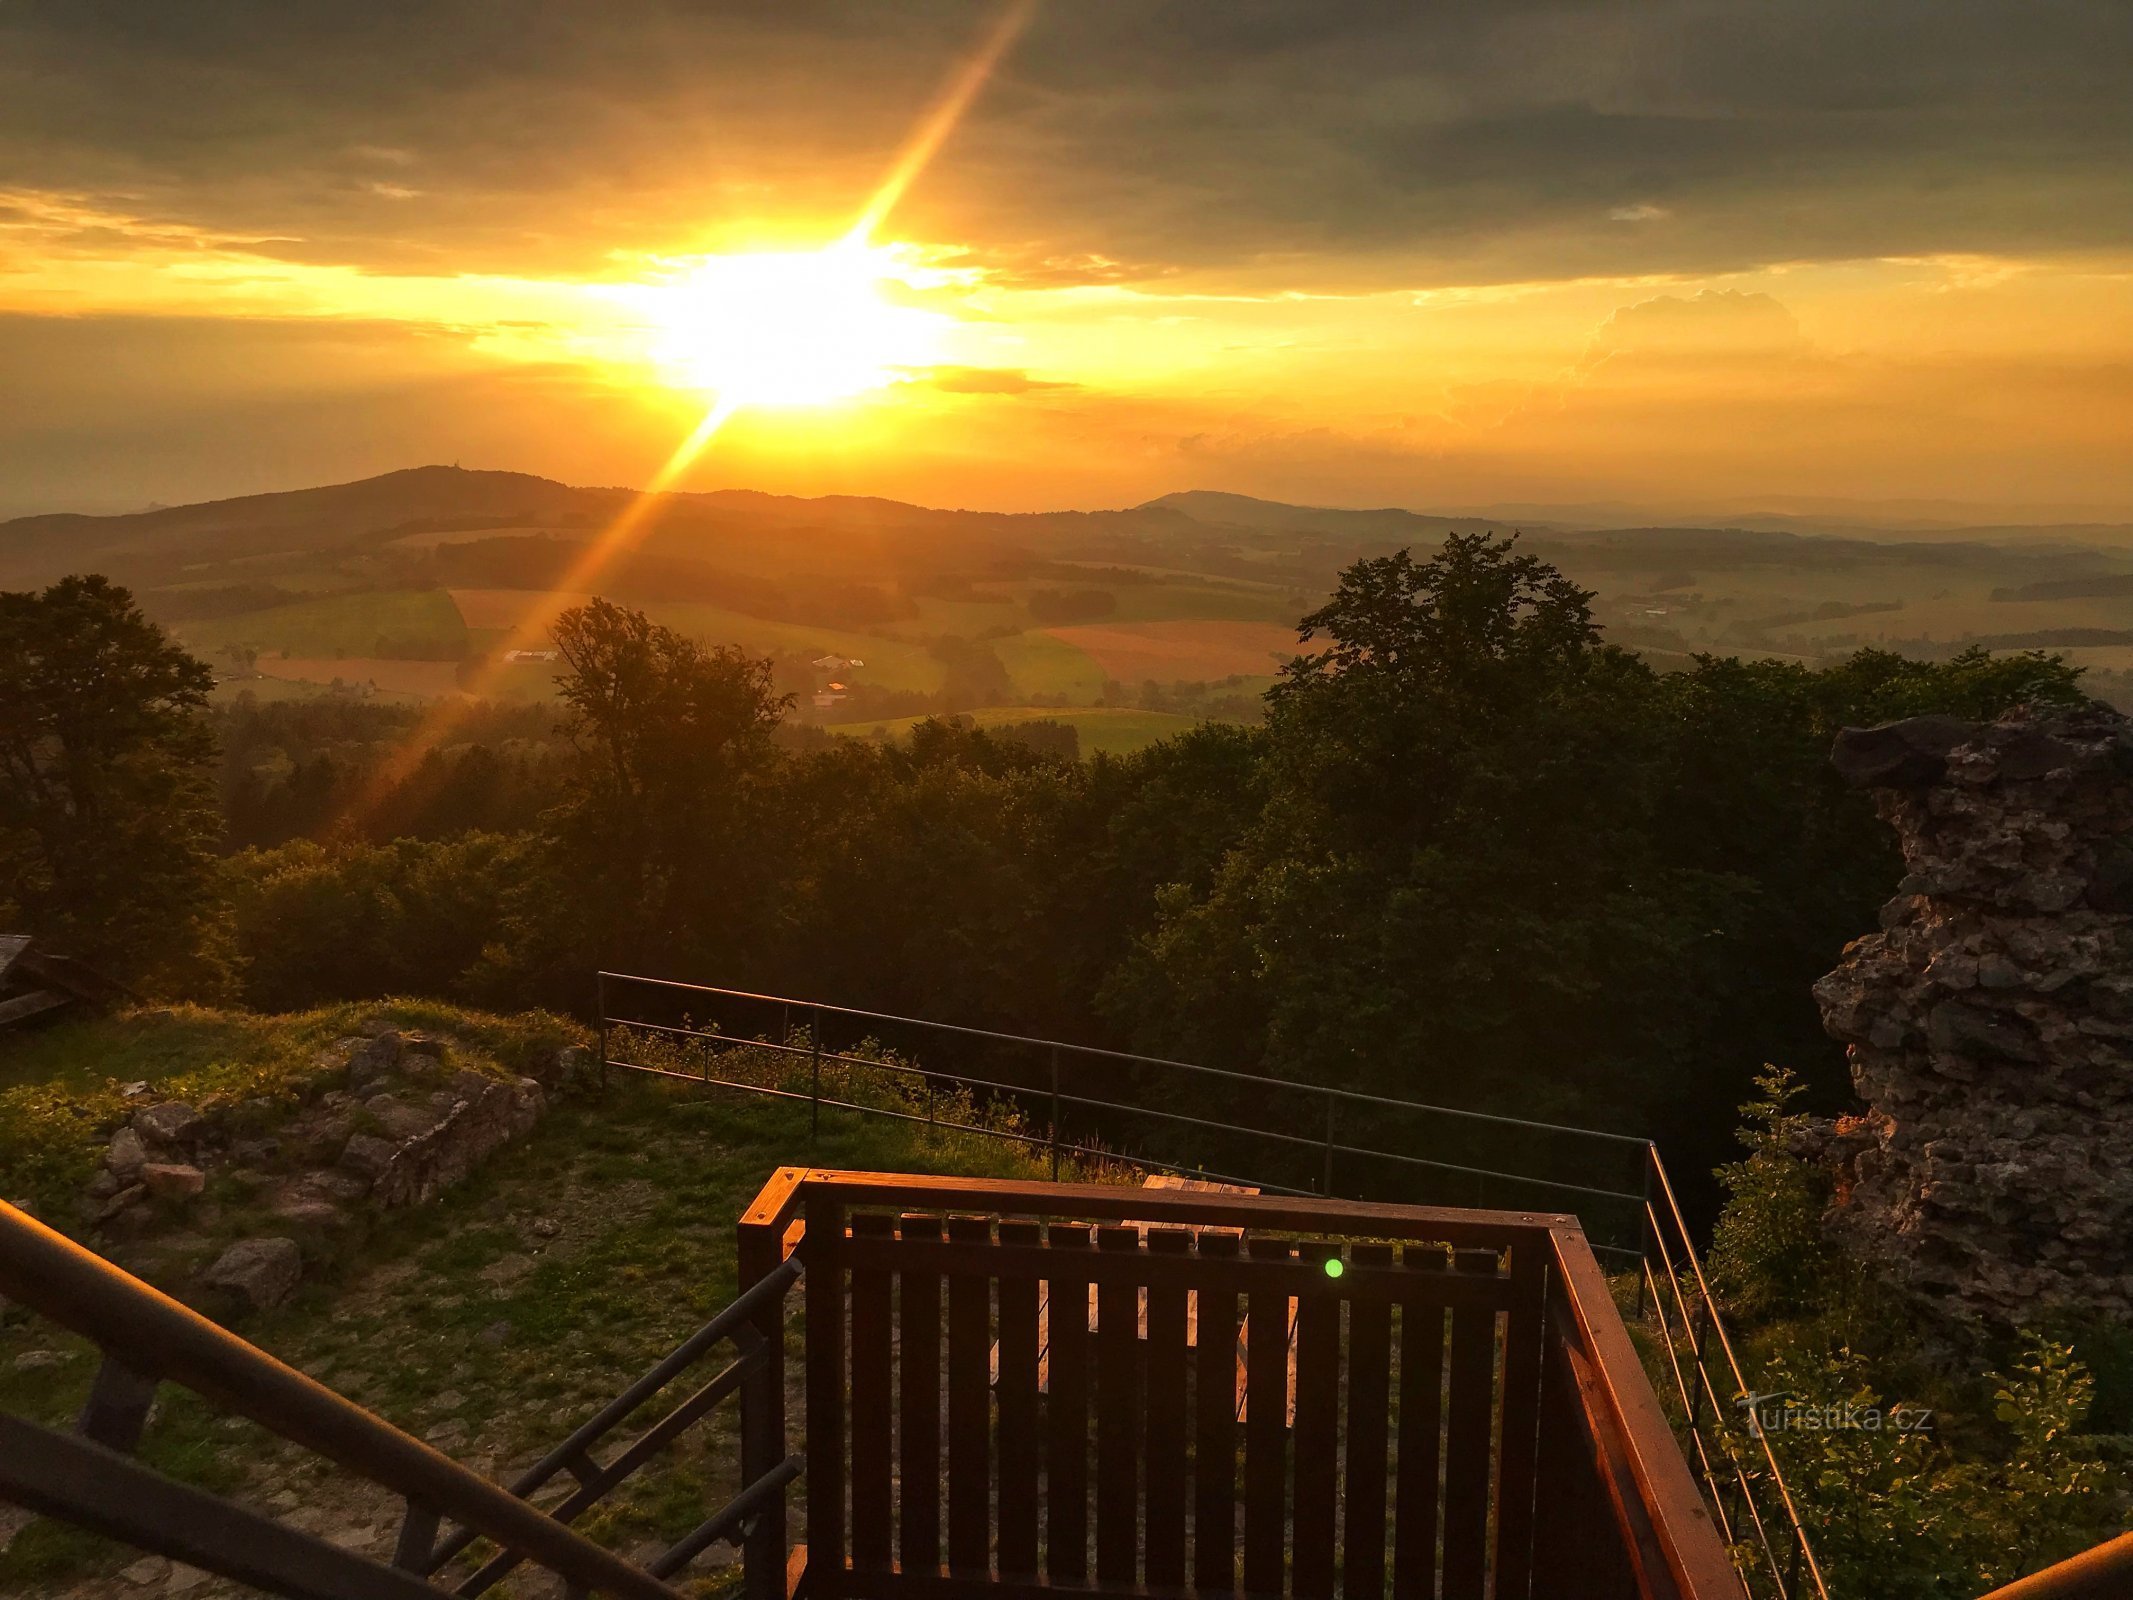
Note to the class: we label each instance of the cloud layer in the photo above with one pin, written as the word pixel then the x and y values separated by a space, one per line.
pixel 1369 141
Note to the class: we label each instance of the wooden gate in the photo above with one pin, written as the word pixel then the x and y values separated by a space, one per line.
pixel 1187 1393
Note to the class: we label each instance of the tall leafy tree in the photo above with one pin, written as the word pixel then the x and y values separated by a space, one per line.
pixel 663 853
pixel 107 807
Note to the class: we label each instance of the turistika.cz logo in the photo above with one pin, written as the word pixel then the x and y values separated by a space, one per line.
pixel 1786 1413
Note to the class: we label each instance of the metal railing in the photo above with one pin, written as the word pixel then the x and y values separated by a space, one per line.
pixel 90 1477
pixel 1728 1450
pixel 1616 1184
pixel 1606 1181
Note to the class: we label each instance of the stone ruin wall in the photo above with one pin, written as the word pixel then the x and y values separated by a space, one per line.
pixel 1990 1021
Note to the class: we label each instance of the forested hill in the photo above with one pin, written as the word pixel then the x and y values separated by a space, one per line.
pixel 412 584
pixel 1186 529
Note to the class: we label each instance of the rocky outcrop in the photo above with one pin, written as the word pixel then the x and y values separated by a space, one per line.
pixel 385 1119
pixel 438 1144
pixel 1990 1021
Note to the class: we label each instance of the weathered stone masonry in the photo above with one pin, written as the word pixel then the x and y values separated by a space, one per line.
pixel 1990 1021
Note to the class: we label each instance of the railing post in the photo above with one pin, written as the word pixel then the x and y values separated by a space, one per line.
pixel 601 983
pixel 763 1443
pixel 1326 1186
pixel 1055 1113
pixel 1647 1227
pixel 814 1075
pixel 1703 1337
pixel 418 1537
pixel 117 1408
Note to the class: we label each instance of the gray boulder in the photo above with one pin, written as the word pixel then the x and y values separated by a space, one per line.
pixel 368 1155
pixel 172 1181
pixel 263 1272
pixel 373 1062
pixel 126 1156
pixel 173 1122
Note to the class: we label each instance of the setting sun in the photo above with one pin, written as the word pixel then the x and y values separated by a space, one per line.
pixel 787 328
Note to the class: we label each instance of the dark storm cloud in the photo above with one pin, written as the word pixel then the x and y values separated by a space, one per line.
pixel 1317 142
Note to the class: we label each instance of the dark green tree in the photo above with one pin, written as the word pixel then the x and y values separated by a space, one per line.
pixel 664 851
pixel 107 804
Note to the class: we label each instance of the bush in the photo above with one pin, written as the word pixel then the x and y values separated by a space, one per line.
pixel 1989 1475
pixel 317 922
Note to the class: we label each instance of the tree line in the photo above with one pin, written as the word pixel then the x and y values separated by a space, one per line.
pixel 1474 854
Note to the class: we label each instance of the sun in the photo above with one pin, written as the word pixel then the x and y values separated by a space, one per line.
pixel 788 328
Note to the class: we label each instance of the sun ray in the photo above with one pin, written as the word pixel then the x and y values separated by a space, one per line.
pixel 446 714
pixel 940 121
pixel 912 160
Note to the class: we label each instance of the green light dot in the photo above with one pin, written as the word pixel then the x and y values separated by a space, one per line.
pixel 1334 1267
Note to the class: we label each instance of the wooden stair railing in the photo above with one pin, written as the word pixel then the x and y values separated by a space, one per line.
pixel 2104 1573
pixel 90 1477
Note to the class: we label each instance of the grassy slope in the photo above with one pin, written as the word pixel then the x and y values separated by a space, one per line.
pixel 492 1321
pixel 344 624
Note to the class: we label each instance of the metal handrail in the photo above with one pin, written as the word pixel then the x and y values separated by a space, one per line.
pixel 1256 1081
pixel 154 1335
pixel 1802 1550
pixel 808 1045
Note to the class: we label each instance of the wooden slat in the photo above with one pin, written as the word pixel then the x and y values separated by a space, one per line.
pixel 918 1308
pixel 969 1407
pixel 1414 1527
pixel 1317 1433
pixel 1066 1480
pixel 1523 1329
pixel 1017 1397
pixel 824 1287
pixel 1470 1414
pixel 1214 1475
pixel 1118 1353
pixel 1369 1431
pixel 1557 1477
pixel 873 1425
pixel 1266 1441
pixel 1163 1508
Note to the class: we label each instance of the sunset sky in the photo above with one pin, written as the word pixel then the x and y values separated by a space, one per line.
pixel 1688 257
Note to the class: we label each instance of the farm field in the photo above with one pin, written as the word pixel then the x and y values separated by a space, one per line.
pixel 890 663
pixel 1039 663
pixel 1171 651
pixel 1209 602
pixel 1109 730
pixel 352 623
pixel 1960 616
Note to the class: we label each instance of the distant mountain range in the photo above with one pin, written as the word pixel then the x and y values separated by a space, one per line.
pixel 846 534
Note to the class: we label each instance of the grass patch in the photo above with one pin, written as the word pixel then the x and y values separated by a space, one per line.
pixel 1041 664
pixel 62 1088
